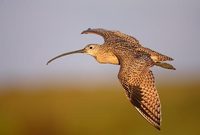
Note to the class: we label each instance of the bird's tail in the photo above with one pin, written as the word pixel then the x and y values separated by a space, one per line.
pixel 165 65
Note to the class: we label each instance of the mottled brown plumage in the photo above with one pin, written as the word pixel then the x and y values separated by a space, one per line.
pixel 135 75
pixel 112 36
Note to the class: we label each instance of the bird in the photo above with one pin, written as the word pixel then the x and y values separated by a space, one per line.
pixel 135 73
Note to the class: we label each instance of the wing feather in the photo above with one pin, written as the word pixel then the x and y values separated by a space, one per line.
pixel 110 36
pixel 139 84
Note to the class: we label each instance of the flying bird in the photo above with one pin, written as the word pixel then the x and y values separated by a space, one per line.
pixel 135 75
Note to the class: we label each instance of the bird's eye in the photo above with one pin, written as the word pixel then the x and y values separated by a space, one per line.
pixel 91 47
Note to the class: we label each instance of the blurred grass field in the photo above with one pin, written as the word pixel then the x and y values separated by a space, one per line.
pixel 63 110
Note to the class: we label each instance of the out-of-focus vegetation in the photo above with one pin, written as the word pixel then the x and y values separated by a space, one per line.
pixel 53 110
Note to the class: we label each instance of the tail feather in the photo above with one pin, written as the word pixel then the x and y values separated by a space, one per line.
pixel 162 57
pixel 165 65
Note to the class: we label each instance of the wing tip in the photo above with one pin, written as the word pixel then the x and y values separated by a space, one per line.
pixel 86 31
pixel 157 126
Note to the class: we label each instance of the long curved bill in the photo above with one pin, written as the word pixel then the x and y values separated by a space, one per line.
pixel 64 54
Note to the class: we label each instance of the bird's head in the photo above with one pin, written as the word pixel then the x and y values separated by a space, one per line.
pixel 91 49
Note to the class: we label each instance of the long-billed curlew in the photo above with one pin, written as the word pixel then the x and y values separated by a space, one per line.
pixel 135 75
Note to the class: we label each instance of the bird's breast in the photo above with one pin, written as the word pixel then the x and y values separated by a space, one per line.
pixel 107 58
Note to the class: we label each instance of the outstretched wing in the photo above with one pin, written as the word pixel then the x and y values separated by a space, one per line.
pixel 138 82
pixel 110 36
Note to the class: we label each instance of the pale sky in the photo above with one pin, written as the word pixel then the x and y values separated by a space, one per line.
pixel 32 32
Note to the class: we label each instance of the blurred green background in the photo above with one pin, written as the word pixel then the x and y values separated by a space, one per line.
pixel 76 95
pixel 64 110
